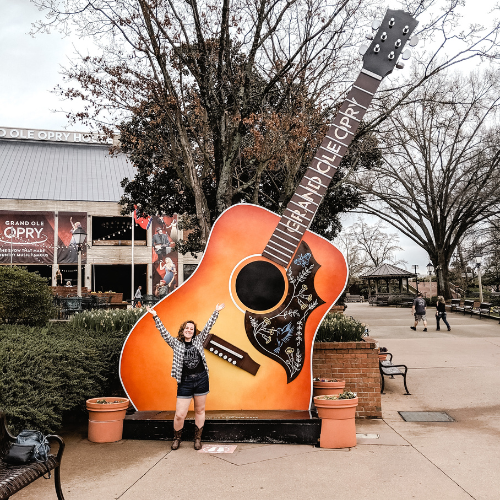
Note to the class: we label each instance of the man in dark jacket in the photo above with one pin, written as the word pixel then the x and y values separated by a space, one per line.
pixel 418 310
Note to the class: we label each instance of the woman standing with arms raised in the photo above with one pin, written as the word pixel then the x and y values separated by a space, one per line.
pixel 190 369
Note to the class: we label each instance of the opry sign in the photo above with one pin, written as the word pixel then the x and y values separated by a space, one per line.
pixel 51 135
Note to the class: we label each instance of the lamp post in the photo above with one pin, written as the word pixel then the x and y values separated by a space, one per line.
pixel 79 236
pixel 430 269
pixel 416 276
pixel 479 258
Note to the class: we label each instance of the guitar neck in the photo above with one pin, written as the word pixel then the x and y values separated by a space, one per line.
pixel 302 208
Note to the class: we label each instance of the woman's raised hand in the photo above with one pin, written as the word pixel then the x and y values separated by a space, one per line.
pixel 151 311
pixel 219 307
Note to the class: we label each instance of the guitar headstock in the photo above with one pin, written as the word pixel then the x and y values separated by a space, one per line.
pixel 388 43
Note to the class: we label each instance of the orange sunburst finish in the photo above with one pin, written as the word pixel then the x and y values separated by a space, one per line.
pixel 146 360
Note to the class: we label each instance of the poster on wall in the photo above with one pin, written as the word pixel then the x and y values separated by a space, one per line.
pixel 26 237
pixel 67 249
pixel 165 257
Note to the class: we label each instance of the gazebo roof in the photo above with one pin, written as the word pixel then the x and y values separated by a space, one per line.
pixel 386 271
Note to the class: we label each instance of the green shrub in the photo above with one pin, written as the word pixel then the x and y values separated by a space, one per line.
pixel 47 372
pixel 340 328
pixel 25 298
pixel 111 320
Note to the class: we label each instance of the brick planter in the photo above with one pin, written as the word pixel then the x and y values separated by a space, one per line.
pixel 357 363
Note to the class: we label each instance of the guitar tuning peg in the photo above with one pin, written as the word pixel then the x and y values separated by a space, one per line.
pixel 376 49
pixel 384 36
pixel 369 36
pixel 406 54
pixel 392 22
pixel 363 49
pixel 391 56
pixel 376 24
pixel 406 29
pixel 414 40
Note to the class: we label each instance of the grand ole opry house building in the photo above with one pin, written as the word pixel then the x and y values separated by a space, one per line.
pixel 53 182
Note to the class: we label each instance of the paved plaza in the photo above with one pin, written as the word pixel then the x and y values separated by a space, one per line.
pixel 456 372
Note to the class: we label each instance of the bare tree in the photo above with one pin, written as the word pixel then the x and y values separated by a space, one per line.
pixel 212 83
pixel 366 246
pixel 439 175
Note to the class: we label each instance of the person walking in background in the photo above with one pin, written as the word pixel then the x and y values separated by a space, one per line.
pixel 418 310
pixel 441 313
pixel 138 297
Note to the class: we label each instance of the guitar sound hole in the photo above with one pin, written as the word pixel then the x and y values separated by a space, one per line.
pixel 260 286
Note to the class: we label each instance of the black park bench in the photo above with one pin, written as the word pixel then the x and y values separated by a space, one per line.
pixel 468 307
pixel 484 309
pixel 387 369
pixel 14 478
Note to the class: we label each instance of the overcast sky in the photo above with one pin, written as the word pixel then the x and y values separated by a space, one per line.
pixel 31 68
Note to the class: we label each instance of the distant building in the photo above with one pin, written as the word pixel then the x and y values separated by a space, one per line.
pixel 53 182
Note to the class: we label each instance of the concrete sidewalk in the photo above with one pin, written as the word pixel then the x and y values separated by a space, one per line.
pixel 456 372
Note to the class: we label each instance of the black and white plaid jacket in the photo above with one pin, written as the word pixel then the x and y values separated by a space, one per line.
pixel 179 347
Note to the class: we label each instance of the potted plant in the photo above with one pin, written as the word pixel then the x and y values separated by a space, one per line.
pixel 323 386
pixel 106 419
pixel 337 413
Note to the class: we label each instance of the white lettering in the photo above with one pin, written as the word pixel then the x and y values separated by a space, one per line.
pixel 316 180
pixel 350 111
pixel 337 133
pixel 29 232
pixel 51 135
pixel 58 136
pixel 345 122
pixel 329 158
pixel 335 148
pixel 31 134
pixel 42 135
pixel 296 215
pixel 20 231
pixel 38 231
pixel 77 137
pixel 304 204
pixel 66 135
pixel 307 196
pixel 320 170
pixel 3 132
pixel 9 234
pixel 22 135
pixel 294 229
pixel 14 133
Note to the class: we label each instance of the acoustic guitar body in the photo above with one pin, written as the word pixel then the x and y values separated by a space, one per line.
pixel 283 380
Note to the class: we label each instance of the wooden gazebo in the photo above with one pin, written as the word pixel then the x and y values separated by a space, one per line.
pixel 384 277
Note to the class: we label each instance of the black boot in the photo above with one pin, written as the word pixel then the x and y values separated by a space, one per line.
pixel 177 439
pixel 197 437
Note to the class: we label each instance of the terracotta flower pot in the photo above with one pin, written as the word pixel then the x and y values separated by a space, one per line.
pixel 382 357
pixel 338 427
pixel 328 388
pixel 106 419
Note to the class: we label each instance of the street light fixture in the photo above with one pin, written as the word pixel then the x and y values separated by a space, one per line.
pixel 430 270
pixel 79 236
pixel 416 276
pixel 479 259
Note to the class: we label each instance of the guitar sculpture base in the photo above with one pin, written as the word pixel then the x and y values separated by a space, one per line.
pixel 266 426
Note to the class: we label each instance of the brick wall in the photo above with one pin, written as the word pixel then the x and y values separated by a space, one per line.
pixel 357 364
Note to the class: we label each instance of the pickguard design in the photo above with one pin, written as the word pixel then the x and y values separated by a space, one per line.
pixel 279 334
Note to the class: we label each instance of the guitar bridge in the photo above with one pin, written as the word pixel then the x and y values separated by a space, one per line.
pixel 230 353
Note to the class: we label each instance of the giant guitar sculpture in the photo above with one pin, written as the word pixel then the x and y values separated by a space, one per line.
pixel 277 279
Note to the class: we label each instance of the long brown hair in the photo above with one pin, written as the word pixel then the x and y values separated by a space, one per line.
pixel 441 299
pixel 180 334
